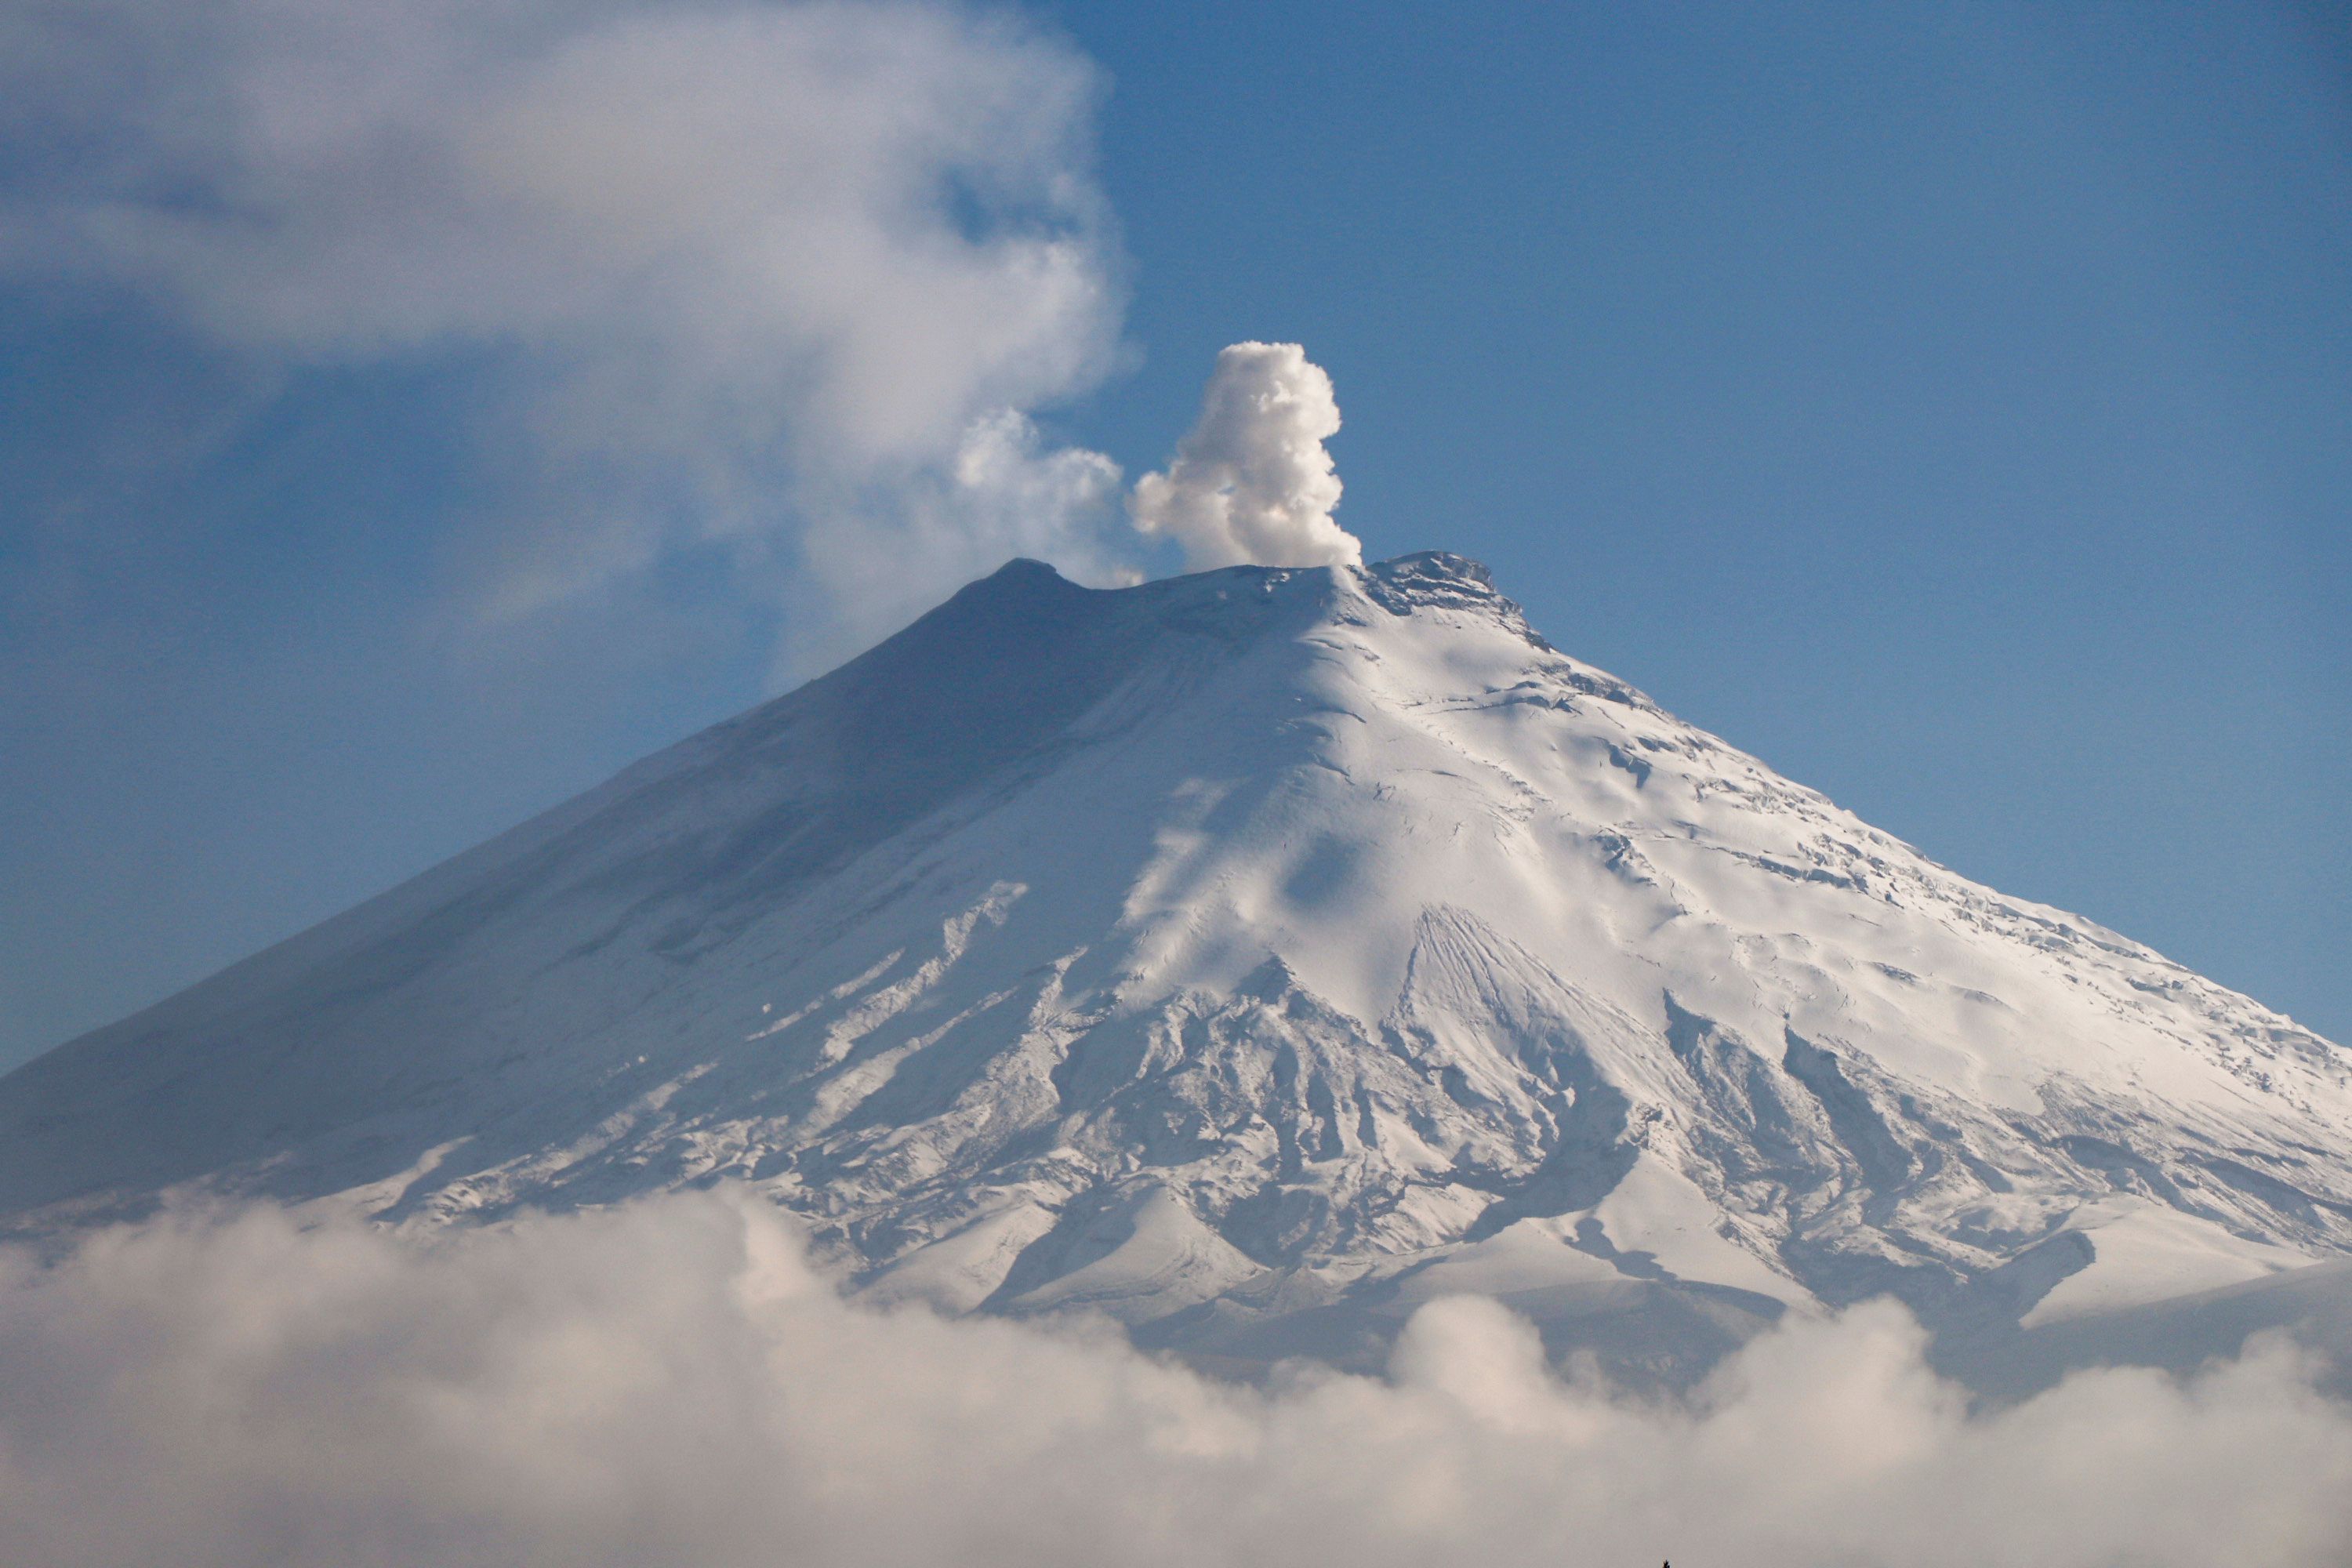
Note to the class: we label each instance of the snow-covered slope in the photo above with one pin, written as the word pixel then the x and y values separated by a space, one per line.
pixel 1251 956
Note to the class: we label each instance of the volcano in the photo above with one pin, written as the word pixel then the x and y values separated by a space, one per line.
pixel 1249 957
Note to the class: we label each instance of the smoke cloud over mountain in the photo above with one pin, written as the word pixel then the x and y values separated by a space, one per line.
pixel 745 278
pixel 781 284
pixel 1253 483
pixel 670 1382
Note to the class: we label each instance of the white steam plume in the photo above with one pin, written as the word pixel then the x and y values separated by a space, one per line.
pixel 1253 483
pixel 668 1383
pixel 749 274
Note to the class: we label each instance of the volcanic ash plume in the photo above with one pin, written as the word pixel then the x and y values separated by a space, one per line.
pixel 1253 484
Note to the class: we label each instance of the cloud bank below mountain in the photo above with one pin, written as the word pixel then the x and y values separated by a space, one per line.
pixel 670 1382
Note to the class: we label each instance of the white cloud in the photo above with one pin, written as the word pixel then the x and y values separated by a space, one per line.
pixel 669 1383
pixel 1253 483
pixel 779 282
pixel 749 271
pixel 1006 492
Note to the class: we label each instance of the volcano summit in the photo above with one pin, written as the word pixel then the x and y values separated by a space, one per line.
pixel 1251 956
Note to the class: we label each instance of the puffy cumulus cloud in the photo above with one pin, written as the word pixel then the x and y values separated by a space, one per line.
pixel 670 1382
pixel 742 272
pixel 1253 483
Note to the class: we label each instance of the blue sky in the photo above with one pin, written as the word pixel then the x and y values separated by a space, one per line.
pixel 1951 405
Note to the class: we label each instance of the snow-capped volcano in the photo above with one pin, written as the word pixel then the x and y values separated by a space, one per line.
pixel 1249 956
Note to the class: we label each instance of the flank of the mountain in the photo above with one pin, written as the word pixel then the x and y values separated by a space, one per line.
pixel 1251 956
